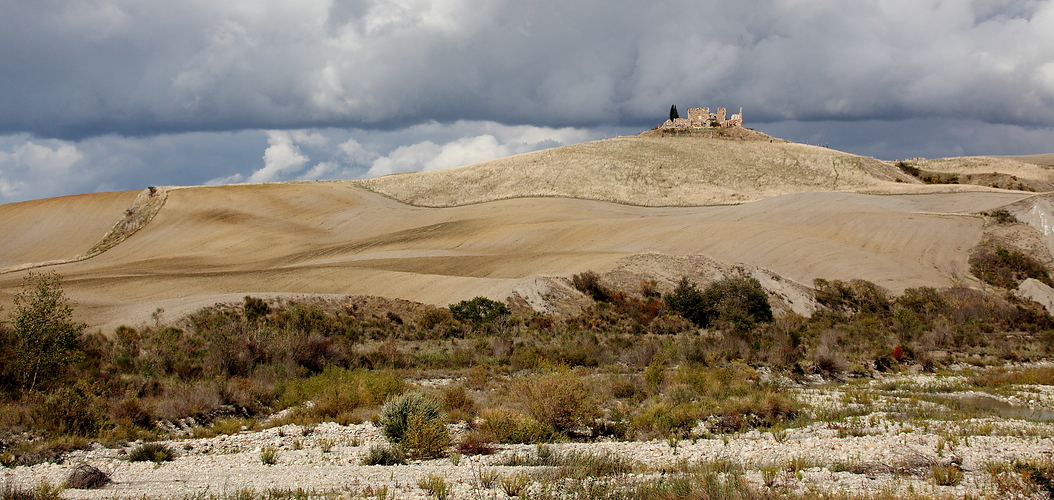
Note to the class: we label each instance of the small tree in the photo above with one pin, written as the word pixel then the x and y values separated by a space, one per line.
pixel 736 302
pixel 479 310
pixel 46 338
pixel 673 112
pixel 687 300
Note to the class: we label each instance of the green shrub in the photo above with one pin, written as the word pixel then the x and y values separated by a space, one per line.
pixel 739 302
pixel 338 392
pixel 402 412
pixel 425 438
pixel 909 169
pixel 1002 216
pixel 435 486
pixel 735 302
pixel 269 455
pixel 152 452
pixel 687 300
pixel 925 301
pixel 479 311
pixel 47 339
pixel 384 455
pixel 74 409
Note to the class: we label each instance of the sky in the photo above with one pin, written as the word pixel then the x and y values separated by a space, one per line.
pixel 101 95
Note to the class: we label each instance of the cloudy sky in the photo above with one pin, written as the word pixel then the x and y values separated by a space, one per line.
pixel 119 94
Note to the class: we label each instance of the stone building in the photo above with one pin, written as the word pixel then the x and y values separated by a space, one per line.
pixel 703 118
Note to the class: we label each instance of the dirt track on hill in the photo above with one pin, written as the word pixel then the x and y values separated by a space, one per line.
pixel 215 243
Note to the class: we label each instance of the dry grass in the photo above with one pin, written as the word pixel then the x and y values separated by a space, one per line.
pixel 649 171
pixel 986 165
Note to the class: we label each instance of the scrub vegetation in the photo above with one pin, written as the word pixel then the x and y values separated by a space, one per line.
pixel 699 361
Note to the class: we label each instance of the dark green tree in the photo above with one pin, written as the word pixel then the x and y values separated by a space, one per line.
pixel 734 302
pixel 673 112
pixel 687 300
pixel 46 338
pixel 478 311
pixel 738 302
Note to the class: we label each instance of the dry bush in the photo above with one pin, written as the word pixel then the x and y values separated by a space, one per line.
pixel 35 451
pixel 760 409
pixel 435 486
pixel 87 477
pixel 624 388
pixel 384 455
pixel 589 284
pixel 502 425
pixel 457 404
pixel 435 317
pixel 425 438
pixel 947 475
pixel 414 422
pixel 558 400
pixel 477 442
pixel 187 399
pixel 152 452
pixel 338 393
pixel 1005 267
pixel 856 296
pixel 662 419
pixel 42 491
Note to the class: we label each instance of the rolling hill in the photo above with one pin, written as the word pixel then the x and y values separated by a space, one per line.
pixel 635 208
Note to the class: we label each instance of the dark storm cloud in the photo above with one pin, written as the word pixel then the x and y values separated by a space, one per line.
pixel 120 94
pixel 140 67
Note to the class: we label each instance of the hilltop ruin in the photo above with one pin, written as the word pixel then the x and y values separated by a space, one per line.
pixel 702 118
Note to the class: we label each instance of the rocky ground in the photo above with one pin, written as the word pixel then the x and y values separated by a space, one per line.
pixel 874 436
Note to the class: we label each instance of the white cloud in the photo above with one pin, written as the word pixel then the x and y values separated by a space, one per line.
pixel 32 169
pixel 230 179
pixel 354 153
pixel 499 141
pixel 281 157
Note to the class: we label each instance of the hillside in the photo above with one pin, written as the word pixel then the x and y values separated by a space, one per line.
pixel 1028 173
pixel 517 228
pixel 651 170
pixel 220 243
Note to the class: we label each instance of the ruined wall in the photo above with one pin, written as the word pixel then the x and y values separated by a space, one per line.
pixel 703 118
